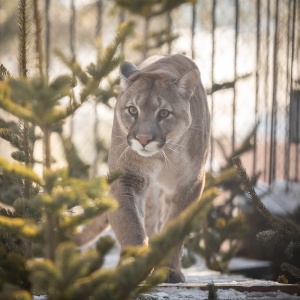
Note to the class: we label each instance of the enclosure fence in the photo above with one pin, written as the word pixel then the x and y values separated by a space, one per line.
pixel 248 55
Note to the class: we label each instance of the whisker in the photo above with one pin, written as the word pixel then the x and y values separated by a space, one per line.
pixel 165 162
pixel 117 137
pixel 177 152
pixel 199 129
pixel 177 145
pixel 168 160
pixel 127 148
pixel 116 147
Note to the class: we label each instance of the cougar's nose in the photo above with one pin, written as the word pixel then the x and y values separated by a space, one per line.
pixel 144 139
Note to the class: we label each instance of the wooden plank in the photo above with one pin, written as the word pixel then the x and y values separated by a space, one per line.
pixel 240 287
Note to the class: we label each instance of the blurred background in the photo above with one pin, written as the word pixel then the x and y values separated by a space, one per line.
pixel 248 55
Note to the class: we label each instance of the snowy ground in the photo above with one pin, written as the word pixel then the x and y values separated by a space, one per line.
pixel 198 277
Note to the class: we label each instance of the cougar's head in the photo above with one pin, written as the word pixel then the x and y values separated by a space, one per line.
pixel 153 108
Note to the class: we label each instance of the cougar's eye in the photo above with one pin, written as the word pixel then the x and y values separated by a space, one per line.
pixel 163 113
pixel 132 110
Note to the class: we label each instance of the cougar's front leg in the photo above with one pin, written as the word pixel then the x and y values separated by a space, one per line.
pixel 128 220
pixel 176 204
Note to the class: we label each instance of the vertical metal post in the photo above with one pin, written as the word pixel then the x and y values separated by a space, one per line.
pixel 48 40
pixel 169 29
pixel 212 82
pixel 292 94
pixel 235 73
pixel 72 29
pixel 273 149
pixel 98 33
pixel 266 89
pixel 95 129
pixel 256 83
pixel 72 50
pixel 298 100
pixel 287 102
pixel 121 20
pixel 146 34
pixel 193 25
pixel 99 6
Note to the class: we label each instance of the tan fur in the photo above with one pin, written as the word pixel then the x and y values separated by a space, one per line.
pixel 169 171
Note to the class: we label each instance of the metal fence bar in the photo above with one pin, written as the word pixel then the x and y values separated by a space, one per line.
pixel 72 39
pixel 48 40
pixel 99 7
pixel 266 91
pixel 272 167
pixel 235 74
pixel 287 102
pixel 73 30
pixel 298 107
pixel 214 4
pixel 292 94
pixel 258 33
pixel 98 33
pixel 193 26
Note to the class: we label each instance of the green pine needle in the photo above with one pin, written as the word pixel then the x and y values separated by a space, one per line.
pixel 19 226
pixel 294 271
pixel 4 73
pixel 19 170
pixel 11 137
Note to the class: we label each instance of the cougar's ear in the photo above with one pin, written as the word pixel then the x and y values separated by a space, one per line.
pixel 186 84
pixel 126 70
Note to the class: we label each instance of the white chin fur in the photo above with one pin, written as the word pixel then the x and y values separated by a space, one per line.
pixel 149 150
pixel 145 153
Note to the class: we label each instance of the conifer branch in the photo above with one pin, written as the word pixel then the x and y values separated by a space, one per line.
pixel 226 175
pixel 25 131
pixel 110 59
pixel 23 37
pixel 294 271
pixel 4 73
pixel 286 227
pixel 16 295
pixel 251 192
pixel 19 156
pixel 20 171
pixel 10 106
pixel 19 226
pixel 74 66
pixel 145 8
pixel 11 137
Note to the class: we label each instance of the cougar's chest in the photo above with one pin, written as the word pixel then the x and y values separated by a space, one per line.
pixel 174 170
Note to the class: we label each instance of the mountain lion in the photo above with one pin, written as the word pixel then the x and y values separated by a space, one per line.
pixel 160 139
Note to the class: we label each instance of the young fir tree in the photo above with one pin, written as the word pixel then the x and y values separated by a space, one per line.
pixel 22 137
pixel 282 233
pixel 217 237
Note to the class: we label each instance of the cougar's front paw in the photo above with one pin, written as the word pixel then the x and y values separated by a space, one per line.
pixel 174 276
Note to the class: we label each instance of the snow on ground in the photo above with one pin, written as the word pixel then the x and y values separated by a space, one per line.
pixel 198 277
pixel 162 293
